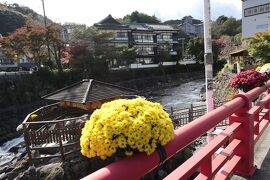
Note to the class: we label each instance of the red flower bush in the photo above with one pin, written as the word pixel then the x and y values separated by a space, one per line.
pixel 248 80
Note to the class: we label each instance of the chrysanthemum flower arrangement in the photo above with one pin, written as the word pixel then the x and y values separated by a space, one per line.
pixel 248 80
pixel 126 126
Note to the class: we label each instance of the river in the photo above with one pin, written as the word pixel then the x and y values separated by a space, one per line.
pixel 178 96
pixel 5 154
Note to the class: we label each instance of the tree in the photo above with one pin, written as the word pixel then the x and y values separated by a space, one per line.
pixel 226 26
pixel 26 41
pixel 136 17
pixel 98 51
pixel 56 44
pixel 196 47
pixel 259 46
pixel 128 56
pixel 31 41
pixel 221 19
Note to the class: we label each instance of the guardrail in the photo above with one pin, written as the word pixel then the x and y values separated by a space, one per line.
pixel 247 122
pixel 183 116
pixel 15 75
pixel 50 131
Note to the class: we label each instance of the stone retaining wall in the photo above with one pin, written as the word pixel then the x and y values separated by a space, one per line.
pixel 13 116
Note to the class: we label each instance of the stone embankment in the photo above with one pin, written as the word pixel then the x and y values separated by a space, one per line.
pixel 11 117
pixel 222 90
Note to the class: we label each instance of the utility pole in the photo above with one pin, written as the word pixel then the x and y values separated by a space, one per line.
pixel 183 46
pixel 208 57
pixel 47 35
pixel 208 63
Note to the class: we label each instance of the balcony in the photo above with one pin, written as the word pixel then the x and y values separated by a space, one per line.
pixel 173 53
pixel 146 53
pixel 119 39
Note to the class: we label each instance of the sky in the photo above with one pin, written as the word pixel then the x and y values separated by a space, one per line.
pixel 91 11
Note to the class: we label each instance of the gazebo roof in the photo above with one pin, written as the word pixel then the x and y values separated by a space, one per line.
pixel 87 91
pixel 239 52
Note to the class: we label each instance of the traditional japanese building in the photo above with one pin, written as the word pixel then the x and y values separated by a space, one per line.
pixel 191 26
pixel 148 39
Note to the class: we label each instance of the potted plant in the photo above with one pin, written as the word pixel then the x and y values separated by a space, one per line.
pixel 126 126
pixel 248 80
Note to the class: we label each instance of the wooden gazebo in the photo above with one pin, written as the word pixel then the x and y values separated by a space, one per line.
pixel 58 125
pixel 88 94
pixel 241 57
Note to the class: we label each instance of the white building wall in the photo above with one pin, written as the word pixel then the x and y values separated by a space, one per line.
pixel 252 24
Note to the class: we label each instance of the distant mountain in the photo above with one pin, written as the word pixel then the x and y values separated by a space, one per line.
pixel 13 16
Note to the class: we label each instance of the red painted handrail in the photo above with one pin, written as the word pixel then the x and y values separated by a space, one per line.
pixel 245 128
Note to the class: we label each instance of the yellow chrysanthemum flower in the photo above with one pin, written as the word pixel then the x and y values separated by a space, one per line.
pixel 127 126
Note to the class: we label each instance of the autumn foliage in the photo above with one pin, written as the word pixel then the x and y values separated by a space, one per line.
pixel 32 41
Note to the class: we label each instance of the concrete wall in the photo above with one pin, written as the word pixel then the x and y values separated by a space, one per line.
pixel 255 23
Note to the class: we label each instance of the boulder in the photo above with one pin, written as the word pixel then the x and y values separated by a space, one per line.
pixel 29 174
pixel 11 175
pixel 52 172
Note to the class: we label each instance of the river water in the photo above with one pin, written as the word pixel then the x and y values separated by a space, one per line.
pixel 5 154
pixel 178 96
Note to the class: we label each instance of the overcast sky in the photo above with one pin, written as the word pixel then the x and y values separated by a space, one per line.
pixel 92 11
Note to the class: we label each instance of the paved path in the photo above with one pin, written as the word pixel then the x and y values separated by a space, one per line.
pixel 262 158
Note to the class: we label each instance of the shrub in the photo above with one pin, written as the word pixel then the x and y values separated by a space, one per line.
pixel 248 80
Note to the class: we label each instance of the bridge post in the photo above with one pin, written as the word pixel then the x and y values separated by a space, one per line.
pixel 267 106
pixel 245 167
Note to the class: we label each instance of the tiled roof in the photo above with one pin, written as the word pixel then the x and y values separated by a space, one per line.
pixel 89 90
pixel 140 27
pixel 161 27
pixel 109 20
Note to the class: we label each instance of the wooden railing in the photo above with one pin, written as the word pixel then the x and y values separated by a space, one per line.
pixel 183 116
pixel 48 134
pixel 248 121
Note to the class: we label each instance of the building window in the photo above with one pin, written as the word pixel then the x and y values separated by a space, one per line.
pixel 165 37
pixel 145 50
pixel 144 60
pixel 138 37
pixel 120 35
pixel 265 8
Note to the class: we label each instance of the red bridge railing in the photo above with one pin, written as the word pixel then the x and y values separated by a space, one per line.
pixel 247 123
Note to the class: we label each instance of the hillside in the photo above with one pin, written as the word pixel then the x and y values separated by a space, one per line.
pixel 13 16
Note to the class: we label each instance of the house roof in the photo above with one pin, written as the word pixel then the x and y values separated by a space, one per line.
pixel 139 27
pixel 196 21
pixel 237 52
pixel 87 91
pixel 161 27
pixel 109 20
pixel 110 23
